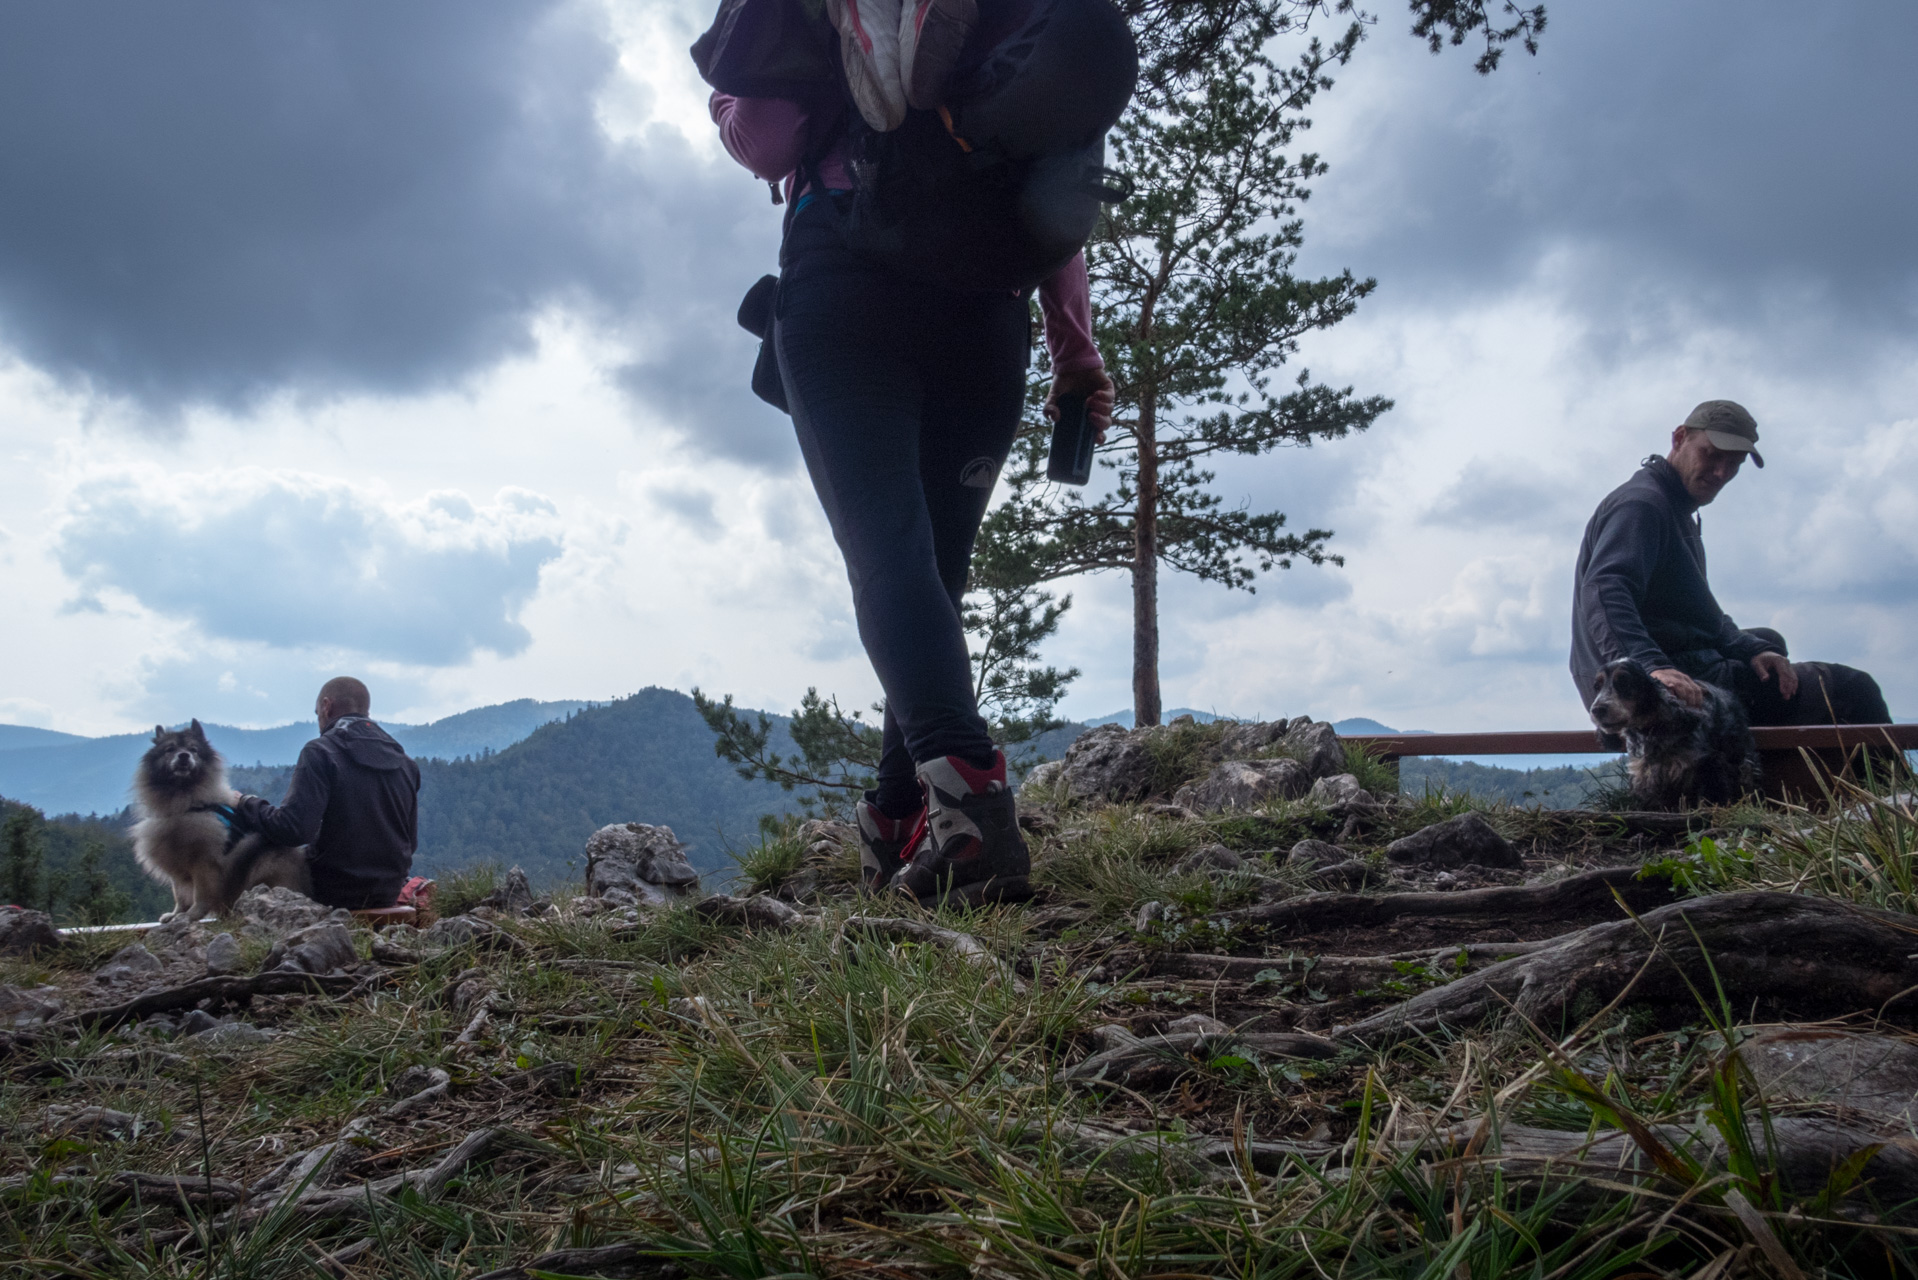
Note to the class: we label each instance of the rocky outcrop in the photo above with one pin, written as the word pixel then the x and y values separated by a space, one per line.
pixel 632 863
pixel 223 954
pixel 272 913
pixel 25 1007
pixel 1339 789
pixel 129 962
pixel 513 897
pixel 1109 763
pixel 1245 784
pixel 1273 758
pixel 23 932
pixel 1466 838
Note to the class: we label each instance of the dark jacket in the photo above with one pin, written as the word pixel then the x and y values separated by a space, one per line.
pixel 1640 590
pixel 354 804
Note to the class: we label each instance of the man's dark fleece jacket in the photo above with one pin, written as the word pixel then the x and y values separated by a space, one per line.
pixel 1640 590
pixel 354 804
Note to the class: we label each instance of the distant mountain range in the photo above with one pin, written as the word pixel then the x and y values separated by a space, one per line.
pixel 1356 724
pixel 67 773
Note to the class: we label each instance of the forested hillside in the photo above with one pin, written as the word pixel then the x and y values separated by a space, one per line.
pixel 79 870
pixel 643 758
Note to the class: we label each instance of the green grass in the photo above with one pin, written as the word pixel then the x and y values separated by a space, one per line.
pixel 841 1108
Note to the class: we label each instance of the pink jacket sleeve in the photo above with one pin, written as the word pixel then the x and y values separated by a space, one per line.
pixel 767 135
pixel 1065 300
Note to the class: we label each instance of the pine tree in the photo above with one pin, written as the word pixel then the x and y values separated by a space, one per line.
pixel 22 871
pixel 93 899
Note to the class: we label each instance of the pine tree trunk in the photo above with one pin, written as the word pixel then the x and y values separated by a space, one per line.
pixel 1145 572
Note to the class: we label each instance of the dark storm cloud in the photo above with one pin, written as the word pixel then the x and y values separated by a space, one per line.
pixel 1747 159
pixel 207 203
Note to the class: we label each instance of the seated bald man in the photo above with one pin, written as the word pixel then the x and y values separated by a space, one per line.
pixel 1641 591
pixel 353 802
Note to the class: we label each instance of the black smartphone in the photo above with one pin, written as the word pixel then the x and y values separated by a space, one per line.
pixel 1072 440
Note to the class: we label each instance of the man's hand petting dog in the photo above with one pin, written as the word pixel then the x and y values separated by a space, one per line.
pixel 1776 665
pixel 1094 385
pixel 1683 686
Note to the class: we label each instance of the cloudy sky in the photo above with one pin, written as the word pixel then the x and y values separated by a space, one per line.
pixel 397 339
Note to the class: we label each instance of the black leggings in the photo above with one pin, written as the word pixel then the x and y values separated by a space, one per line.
pixel 905 398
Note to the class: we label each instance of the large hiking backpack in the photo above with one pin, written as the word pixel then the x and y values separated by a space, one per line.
pixel 1000 188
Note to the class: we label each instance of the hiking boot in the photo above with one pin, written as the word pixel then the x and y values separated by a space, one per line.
pixel 972 851
pixel 883 842
pixel 931 35
pixel 869 47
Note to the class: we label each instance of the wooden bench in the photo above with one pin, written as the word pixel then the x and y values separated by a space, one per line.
pixel 1795 758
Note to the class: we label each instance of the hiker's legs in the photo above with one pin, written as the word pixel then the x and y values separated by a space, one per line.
pixel 850 346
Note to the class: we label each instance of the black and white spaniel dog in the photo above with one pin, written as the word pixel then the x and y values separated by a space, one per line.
pixel 1676 756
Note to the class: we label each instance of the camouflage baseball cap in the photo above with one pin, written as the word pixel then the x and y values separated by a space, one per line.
pixel 1727 424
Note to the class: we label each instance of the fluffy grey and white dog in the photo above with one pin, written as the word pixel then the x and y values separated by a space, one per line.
pixel 1676 754
pixel 181 839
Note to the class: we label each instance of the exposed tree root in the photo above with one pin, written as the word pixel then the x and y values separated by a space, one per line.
pixel 1589 893
pixel 1339 975
pixel 222 990
pixel 761 912
pixel 579 1262
pixel 1776 956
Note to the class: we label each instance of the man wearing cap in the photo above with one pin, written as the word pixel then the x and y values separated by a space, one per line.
pixel 1641 592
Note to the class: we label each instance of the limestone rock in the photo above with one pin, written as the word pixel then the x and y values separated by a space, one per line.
pixel 1251 738
pixel 318 948
pixel 1465 838
pixel 453 931
pixel 1245 784
pixel 130 961
pixel 415 1079
pixel 23 932
pixel 1316 853
pixel 1340 788
pixel 1315 744
pixel 195 1021
pixel 1873 1074
pixel 1043 776
pixel 223 953
pixel 274 912
pixel 757 912
pixel 1148 917
pixel 513 897
pixel 29 1006
pixel 1197 1024
pixel 1109 763
pixel 1350 874
pixel 631 862
pixel 1211 857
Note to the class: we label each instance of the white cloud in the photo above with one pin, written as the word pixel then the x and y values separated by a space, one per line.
pixel 304 562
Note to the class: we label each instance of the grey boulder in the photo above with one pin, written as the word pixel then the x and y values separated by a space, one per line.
pixel 1465 838
pixel 633 863
pixel 223 954
pixel 1245 784
pixel 1315 744
pixel 320 948
pixel 277 911
pixel 1111 764
pixel 1340 788
pixel 513 897
pixel 26 1007
pixel 1316 853
pixel 130 961
pixel 23 932
pixel 1211 857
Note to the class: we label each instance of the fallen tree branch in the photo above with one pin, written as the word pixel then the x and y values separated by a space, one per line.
pixel 897 929
pixel 1586 894
pixel 1157 1062
pixel 315 1202
pixel 1792 958
pixel 114 1189
pixel 220 990
pixel 761 911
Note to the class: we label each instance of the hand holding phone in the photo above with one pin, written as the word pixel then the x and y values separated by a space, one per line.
pixel 1073 438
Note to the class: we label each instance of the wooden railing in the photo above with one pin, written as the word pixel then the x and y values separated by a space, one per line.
pixel 1791 756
